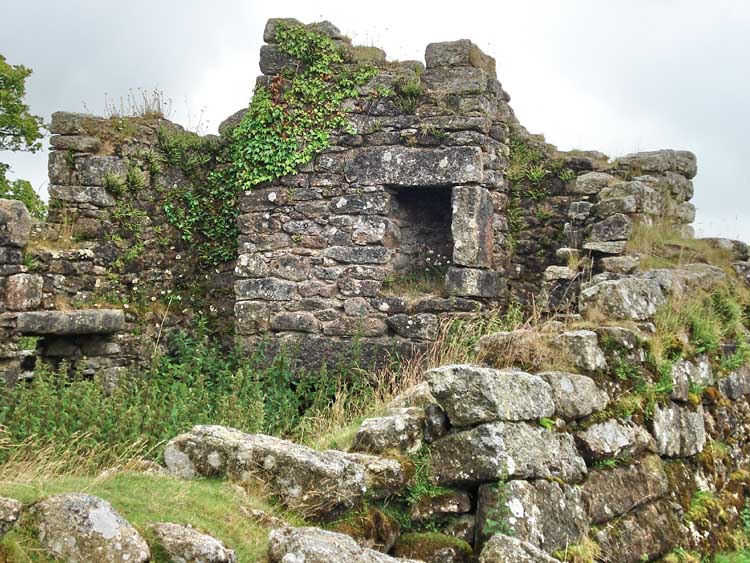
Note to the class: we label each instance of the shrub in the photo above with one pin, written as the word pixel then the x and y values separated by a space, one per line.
pixel 198 383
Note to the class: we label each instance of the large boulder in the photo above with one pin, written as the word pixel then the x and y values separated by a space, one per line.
pixel 544 513
pixel 612 439
pixel 10 510
pixel 581 349
pixel 609 493
pixel 472 395
pixel 507 549
pixel 401 430
pixel 187 545
pixel 84 528
pixel 575 396
pixel 15 223
pixel 499 450
pixel 320 484
pixel 641 535
pixel 384 476
pixel 679 431
pixel 313 545
pixel 631 298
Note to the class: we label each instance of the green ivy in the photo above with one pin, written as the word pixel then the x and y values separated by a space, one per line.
pixel 288 122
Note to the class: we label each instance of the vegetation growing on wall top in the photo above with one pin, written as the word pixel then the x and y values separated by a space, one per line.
pixel 288 122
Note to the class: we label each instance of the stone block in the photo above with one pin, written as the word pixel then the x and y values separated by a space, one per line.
pixel 355 326
pixel 472 226
pixel 95 170
pixel 401 431
pixel 679 431
pixel 15 223
pixel 590 183
pixel 76 143
pixel 422 326
pixel 627 298
pixel 501 450
pixel 269 32
pixel 546 514
pixel 472 395
pixel 456 80
pixel 274 61
pixel 365 204
pixel 643 535
pixel 612 439
pixel 471 282
pixel 69 123
pixel 609 493
pixel 614 227
pixel 252 317
pixel 266 289
pixel 94 195
pixel 404 166
pixel 665 160
pixel 575 396
pixel 83 321
pixel 23 292
pixel 358 254
pixel 299 322
pixel 458 53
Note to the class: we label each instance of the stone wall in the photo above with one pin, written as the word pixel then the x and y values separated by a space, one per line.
pixel 107 276
pixel 416 214
pixel 395 226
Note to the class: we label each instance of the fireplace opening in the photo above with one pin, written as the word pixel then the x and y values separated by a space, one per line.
pixel 421 262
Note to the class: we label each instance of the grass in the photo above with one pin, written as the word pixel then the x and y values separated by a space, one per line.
pixel 661 245
pixel 71 462
pixel 414 284
pixel 215 507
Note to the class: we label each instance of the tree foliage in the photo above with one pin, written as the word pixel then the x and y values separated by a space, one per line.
pixel 22 191
pixel 20 130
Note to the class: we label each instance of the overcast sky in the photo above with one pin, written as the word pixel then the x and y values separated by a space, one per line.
pixel 618 76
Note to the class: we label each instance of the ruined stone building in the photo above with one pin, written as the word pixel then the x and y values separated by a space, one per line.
pixel 434 203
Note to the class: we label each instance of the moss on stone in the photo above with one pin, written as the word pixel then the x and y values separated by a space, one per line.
pixel 371 527
pixel 425 545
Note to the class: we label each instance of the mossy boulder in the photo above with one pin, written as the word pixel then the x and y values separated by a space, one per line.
pixel 372 528
pixel 84 528
pixel 433 547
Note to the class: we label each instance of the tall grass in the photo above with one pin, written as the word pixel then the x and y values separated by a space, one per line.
pixel 661 245
pixel 198 383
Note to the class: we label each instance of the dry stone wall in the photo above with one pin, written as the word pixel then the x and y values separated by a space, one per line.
pixel 411 195
pixel 428 207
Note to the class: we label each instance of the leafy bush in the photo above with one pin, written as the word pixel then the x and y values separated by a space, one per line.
pixel 199 383
pixel 23 192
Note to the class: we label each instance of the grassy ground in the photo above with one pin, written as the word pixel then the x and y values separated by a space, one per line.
pixel 215 507
pixel 36 468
